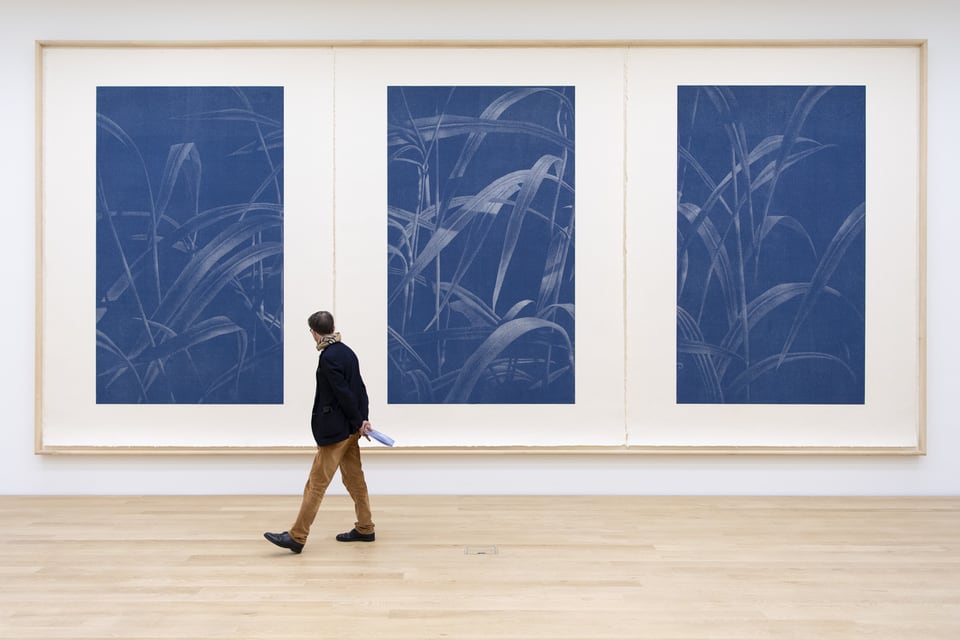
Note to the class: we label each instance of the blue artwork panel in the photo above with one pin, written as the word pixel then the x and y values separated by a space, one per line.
pixel 189 274
pixel 481 245
pixel 771 269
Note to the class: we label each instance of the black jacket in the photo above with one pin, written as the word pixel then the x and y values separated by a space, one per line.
pixel 340 404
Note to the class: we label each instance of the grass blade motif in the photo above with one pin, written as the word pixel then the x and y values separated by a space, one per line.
pixel 470 304
pixel 557 263
pixel 774 363
pixel 848 231
pixel 196 335
pixel 766 303
pixel 492 349
pixel 189 277
pixel 217 279
pixel 538 173
pixel 480 220
pixel 488 202
pixel 770 245
pixel 689 333
pixel 207 261
pixel 436 128
pixel 181 158
pixel 720 262
pixel 104 342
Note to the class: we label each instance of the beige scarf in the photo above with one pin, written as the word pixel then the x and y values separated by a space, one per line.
pixel 327 340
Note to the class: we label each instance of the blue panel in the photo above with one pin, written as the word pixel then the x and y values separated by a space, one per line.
pixel 189 245
pixel 481 245
pixel 771 244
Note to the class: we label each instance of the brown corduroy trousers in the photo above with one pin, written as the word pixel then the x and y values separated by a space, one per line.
pixel 344 455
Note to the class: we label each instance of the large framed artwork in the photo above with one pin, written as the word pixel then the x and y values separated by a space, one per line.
pixel 790 267
pixel 547 247
pixel 482 244
pixel 184 205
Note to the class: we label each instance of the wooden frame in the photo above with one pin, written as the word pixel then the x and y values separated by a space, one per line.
pixel 512 429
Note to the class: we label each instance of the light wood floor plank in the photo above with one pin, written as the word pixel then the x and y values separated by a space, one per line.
pixel 574 568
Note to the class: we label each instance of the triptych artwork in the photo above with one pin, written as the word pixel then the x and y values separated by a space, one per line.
pixel 482 258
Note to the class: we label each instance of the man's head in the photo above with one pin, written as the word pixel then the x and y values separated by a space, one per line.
pixel 321 323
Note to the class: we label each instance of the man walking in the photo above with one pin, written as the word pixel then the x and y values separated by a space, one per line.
pixel 340 408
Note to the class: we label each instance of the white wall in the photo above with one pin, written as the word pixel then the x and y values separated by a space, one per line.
pixel 22 23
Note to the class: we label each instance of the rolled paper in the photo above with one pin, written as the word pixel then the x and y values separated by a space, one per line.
pixel 379 437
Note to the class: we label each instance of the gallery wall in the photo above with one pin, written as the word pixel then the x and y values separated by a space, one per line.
pixel 22 472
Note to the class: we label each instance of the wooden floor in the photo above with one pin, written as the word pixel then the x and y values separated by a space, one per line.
pixel 482 568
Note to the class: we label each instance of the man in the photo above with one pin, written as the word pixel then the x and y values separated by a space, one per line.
pixel 340 408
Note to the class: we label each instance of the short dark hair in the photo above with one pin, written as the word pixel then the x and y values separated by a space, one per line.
pixel 321 322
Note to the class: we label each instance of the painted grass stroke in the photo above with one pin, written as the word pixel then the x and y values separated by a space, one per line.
pixel 481 247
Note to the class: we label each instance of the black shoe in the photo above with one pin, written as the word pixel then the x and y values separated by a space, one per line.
pixel 355 536
pixel 284 540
